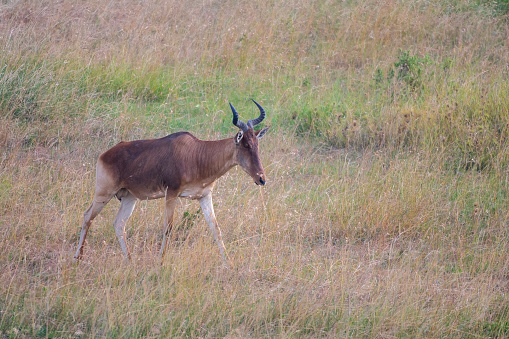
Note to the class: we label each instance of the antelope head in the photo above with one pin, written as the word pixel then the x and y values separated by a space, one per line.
pixel 246 141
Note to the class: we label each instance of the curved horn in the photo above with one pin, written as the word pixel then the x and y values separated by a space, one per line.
pixel 239 123
pixel 254 122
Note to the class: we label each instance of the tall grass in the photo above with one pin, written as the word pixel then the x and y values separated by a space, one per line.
pixel 385 213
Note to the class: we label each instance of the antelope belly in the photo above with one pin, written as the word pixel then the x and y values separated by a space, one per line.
pixel 195 192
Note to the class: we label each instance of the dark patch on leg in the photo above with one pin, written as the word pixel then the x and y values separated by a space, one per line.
pixel 122 193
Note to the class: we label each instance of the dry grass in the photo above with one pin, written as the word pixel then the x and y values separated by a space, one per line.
pixel 386 210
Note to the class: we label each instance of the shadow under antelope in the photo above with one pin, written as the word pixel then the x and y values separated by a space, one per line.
pixel 178 165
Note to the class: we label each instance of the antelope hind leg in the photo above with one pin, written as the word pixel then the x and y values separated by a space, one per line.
pixel 127 203
pixel 89 215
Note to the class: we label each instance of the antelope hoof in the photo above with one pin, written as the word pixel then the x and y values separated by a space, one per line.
pixel 76 259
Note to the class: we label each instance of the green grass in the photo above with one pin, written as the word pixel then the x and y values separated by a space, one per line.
pixel 385 213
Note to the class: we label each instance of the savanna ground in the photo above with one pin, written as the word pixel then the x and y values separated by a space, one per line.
pixel 386 210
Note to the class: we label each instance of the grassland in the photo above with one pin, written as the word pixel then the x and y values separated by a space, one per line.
pixel 386 211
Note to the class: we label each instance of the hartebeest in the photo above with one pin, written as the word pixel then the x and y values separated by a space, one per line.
pixel 178 165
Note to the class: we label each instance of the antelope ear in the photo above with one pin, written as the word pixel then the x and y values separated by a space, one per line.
pixel 261 133
pixel 238 137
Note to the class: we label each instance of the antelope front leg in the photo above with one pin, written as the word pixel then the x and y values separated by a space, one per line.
pixel 168 223
pixel 210 217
